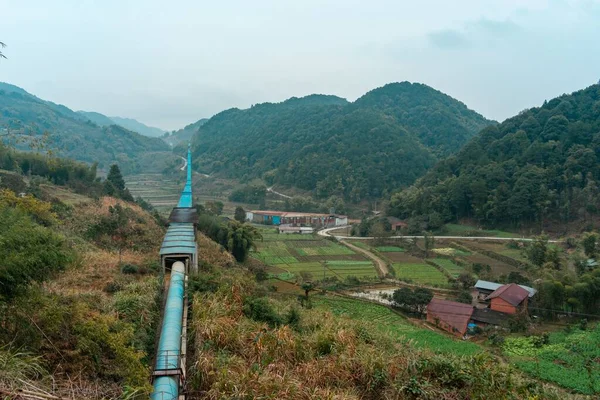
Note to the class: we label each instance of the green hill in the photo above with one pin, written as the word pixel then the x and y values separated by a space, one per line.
pixel 138 127
pixel 127 123
pixel 185 134
pixel 386 139
pixel 97 118
pixel 540 166
pixel 24 119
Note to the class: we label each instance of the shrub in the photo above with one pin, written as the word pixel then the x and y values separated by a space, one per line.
pixel 259 309
pixel 129 269
pixel 292 318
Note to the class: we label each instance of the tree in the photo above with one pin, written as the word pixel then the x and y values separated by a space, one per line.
pixel 240 214
pixel 429 243
pixel 537 251
pixel 412 300
pixel 29 252
pixel 422 297
pixel 115 178
pixel 114 185
pixel 466 280
pixel 2 45
pixel 214 207
pixel 589 242
pixel 241 238
pixel 464 296
pixel 307 287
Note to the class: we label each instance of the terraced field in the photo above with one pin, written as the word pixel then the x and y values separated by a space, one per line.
pixel 390 249
pixel 162 192
pixel 421 274
pixel 384 319
pixel 453 269
pixel 294 255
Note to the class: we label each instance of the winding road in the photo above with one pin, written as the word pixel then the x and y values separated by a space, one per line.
pixel 184 163
pixel 270 189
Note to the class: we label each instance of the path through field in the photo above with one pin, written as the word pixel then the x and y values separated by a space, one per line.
pixel 379 263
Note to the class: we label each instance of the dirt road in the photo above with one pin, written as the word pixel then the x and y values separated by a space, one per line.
pixel 379 263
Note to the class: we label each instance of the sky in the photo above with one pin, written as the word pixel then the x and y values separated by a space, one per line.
pixel 168 64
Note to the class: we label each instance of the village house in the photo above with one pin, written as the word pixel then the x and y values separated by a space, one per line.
pixel 509 299
pixel 449 315
pixel 486 288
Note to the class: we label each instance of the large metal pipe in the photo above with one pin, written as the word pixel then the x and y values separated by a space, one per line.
pixel 169 345
pixel 186 196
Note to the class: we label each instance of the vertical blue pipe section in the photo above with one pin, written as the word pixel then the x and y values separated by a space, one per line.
pixel 186 196
pixel 169 345
pixel 189 165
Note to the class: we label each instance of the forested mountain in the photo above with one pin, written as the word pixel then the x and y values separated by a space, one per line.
pixel 24 118
pixel 386 139
pixel 136 126
pixel 538 166
pixel 185 134
pixel 442 123
pixel 127 123
pixel 97 118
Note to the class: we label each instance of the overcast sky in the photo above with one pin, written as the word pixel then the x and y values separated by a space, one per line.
pixel 170 63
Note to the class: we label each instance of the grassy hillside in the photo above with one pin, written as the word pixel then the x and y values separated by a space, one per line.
pixel 251 344
pixel 73 309
pixel 24 119
pixel 386 139
pixel 539 168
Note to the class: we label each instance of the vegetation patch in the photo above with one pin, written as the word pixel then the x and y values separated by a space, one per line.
pixel 569 359
pixel 390 249
pixel 422 274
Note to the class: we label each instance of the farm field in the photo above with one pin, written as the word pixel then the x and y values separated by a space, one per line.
pixel 421 274
pixel 382 318
pixel 498 267
pixel 390 249
pixel 452 268
pixel 569 359
pixel 296 255
pixel 160 191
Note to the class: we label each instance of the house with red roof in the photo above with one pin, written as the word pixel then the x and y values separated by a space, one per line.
pixel 509 299
pixel 451 316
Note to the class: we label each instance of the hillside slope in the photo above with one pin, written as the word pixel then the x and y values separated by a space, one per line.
pixel 539 166
pixel 136 126
pixel 185 134
pixel 71 134
pixel 386 139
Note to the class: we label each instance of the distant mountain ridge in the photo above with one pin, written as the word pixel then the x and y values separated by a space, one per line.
pixel 71 134
pixel 384 140
pixel 127 123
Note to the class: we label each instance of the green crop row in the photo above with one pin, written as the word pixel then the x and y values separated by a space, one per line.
pixel 423 274
pixel 395 325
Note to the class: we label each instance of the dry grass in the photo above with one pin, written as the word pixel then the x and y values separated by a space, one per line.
pixel 212 253
pixel 326 357
pixel 96 268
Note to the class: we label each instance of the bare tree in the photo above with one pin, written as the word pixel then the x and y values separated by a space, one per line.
pixel 2 45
